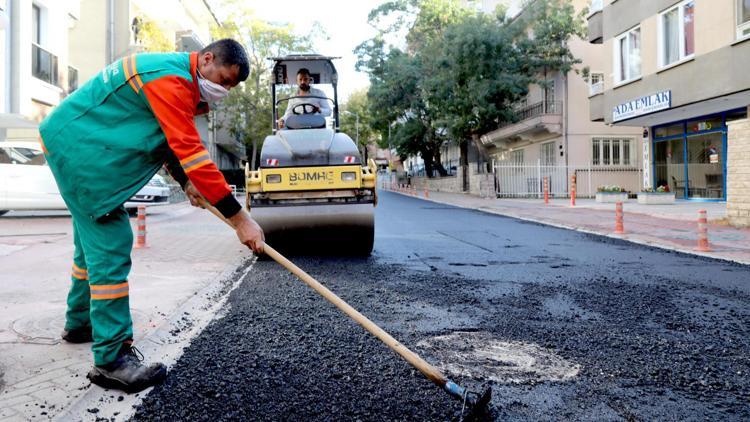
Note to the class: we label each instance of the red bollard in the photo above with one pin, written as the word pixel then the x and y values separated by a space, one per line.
pixel 573 190
pixel 619 227
pixel 703 245
pixel 140 241
pixel 546 190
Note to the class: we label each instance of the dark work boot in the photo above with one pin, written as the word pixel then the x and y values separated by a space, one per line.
pixel 78 335
pixel 127 372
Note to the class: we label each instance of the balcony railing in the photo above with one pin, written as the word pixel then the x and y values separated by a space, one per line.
pixel 72 79
pixel 596 88
pixel 43 65
pixel 535 110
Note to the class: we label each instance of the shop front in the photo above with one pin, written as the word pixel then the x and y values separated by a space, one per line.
pixel 689 156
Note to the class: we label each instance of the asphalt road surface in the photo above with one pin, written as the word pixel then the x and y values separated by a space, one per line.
pixel 562 325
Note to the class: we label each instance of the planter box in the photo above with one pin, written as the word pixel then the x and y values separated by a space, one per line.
pixel 611 197
pixel 656 198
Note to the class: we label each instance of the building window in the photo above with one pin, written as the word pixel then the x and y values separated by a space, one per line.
pixel 677 33
pixel 516 157
pixel 743 18
pixel 36 24
pixel 628 56
pixel 596 5
pixel 548 154
pixel 596 83
pixel 611 152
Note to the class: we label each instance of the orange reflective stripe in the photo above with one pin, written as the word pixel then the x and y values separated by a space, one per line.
pixel 188 159
pixel 79 273
pixel 134 68
pixel 128 74
pixel 108 286
pixel 109 291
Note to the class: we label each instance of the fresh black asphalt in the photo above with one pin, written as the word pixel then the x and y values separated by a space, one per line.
pixel 657 335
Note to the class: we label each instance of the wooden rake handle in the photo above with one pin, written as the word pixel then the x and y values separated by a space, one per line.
pixel 428 370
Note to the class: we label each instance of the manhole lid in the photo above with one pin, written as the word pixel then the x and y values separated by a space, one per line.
pixel 480 356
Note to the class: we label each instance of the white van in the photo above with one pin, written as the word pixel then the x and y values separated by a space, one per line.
pixel 26 182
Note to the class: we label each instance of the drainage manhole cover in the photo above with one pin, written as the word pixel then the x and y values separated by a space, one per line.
pixel 477 355
pixel 45 327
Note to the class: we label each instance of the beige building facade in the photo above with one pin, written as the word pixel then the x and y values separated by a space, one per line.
pixel 554 138
pixel 678 71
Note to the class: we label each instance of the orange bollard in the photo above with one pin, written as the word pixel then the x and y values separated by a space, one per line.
pixel 546 190
pixel 426 193
pixel 140 241
pixel 703 245
pixel 414 191
pixel 573 190
pixel 619 227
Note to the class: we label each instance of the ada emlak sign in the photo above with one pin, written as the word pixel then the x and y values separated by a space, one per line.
pixel 643 105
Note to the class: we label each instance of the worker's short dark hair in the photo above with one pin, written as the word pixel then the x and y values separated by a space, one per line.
pixel 303 71
pixel 229 52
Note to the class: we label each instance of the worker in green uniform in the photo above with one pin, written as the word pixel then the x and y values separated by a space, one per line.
pixel 103 143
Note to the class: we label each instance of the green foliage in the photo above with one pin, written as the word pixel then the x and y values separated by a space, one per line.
pixel 152 38
pixel 609 189
pixel 461 73
pixel 358 104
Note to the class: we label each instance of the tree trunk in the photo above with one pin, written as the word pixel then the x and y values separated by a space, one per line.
pixel 439 164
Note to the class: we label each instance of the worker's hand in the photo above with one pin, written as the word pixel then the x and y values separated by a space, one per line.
pixel 248 231
pixel 316 109
pixel 193 195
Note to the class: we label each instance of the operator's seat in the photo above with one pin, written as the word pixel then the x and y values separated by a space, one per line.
pixel 305 121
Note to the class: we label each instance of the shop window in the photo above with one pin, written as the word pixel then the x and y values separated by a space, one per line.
pixel 700 125
pixel 677 33
pixel 628 56
pixel 671 130
pixel 743 18
pixel 611 152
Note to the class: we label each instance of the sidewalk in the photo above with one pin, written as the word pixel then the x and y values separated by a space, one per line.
pixel 175 287
pixel 672 227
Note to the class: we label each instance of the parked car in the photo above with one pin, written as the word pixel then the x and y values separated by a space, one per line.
pixel 26 182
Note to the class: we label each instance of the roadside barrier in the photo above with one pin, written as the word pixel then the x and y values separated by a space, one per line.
pixel 619 227
pixel 140 241
pixel 546 190
pixel 703 245
pixel 573 190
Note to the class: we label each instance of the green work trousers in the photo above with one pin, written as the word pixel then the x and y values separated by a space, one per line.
pixel 98 296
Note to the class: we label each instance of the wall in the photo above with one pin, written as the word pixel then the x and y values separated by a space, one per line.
pixel 738 173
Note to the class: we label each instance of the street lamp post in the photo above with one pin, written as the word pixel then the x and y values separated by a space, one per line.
pixel 356 125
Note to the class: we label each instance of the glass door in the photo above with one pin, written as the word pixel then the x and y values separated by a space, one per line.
pixel 705 166
pixel 669 166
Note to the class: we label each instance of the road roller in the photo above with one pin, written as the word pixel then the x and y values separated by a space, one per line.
pixel 311 193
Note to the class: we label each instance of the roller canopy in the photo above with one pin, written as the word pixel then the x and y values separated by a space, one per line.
pixel 321 68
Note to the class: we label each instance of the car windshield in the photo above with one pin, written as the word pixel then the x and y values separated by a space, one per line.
pixel 27 156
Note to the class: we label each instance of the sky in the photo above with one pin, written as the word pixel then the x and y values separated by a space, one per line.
pixel 345 22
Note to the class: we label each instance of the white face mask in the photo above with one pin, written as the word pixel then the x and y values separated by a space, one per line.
pixel 211 92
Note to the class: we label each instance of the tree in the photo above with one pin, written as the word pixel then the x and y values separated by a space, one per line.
pixel 358 105
pixel 247 112
pixel 398 79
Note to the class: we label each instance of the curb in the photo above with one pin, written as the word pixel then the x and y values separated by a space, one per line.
pixel 202 308
pixel 626 238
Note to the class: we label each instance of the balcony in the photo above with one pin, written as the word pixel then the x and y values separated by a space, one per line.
pixel 596 108
pixel 596 23
pixel 535 122
pixel 44 65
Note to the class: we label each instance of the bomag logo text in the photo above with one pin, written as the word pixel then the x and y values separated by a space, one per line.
pixel 311 176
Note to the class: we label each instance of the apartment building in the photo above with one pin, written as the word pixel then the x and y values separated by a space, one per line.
pixel 554 138
pixel 35 70
pixel 678 71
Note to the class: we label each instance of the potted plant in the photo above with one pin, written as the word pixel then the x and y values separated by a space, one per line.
pixel 611 194
pixel 658 196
